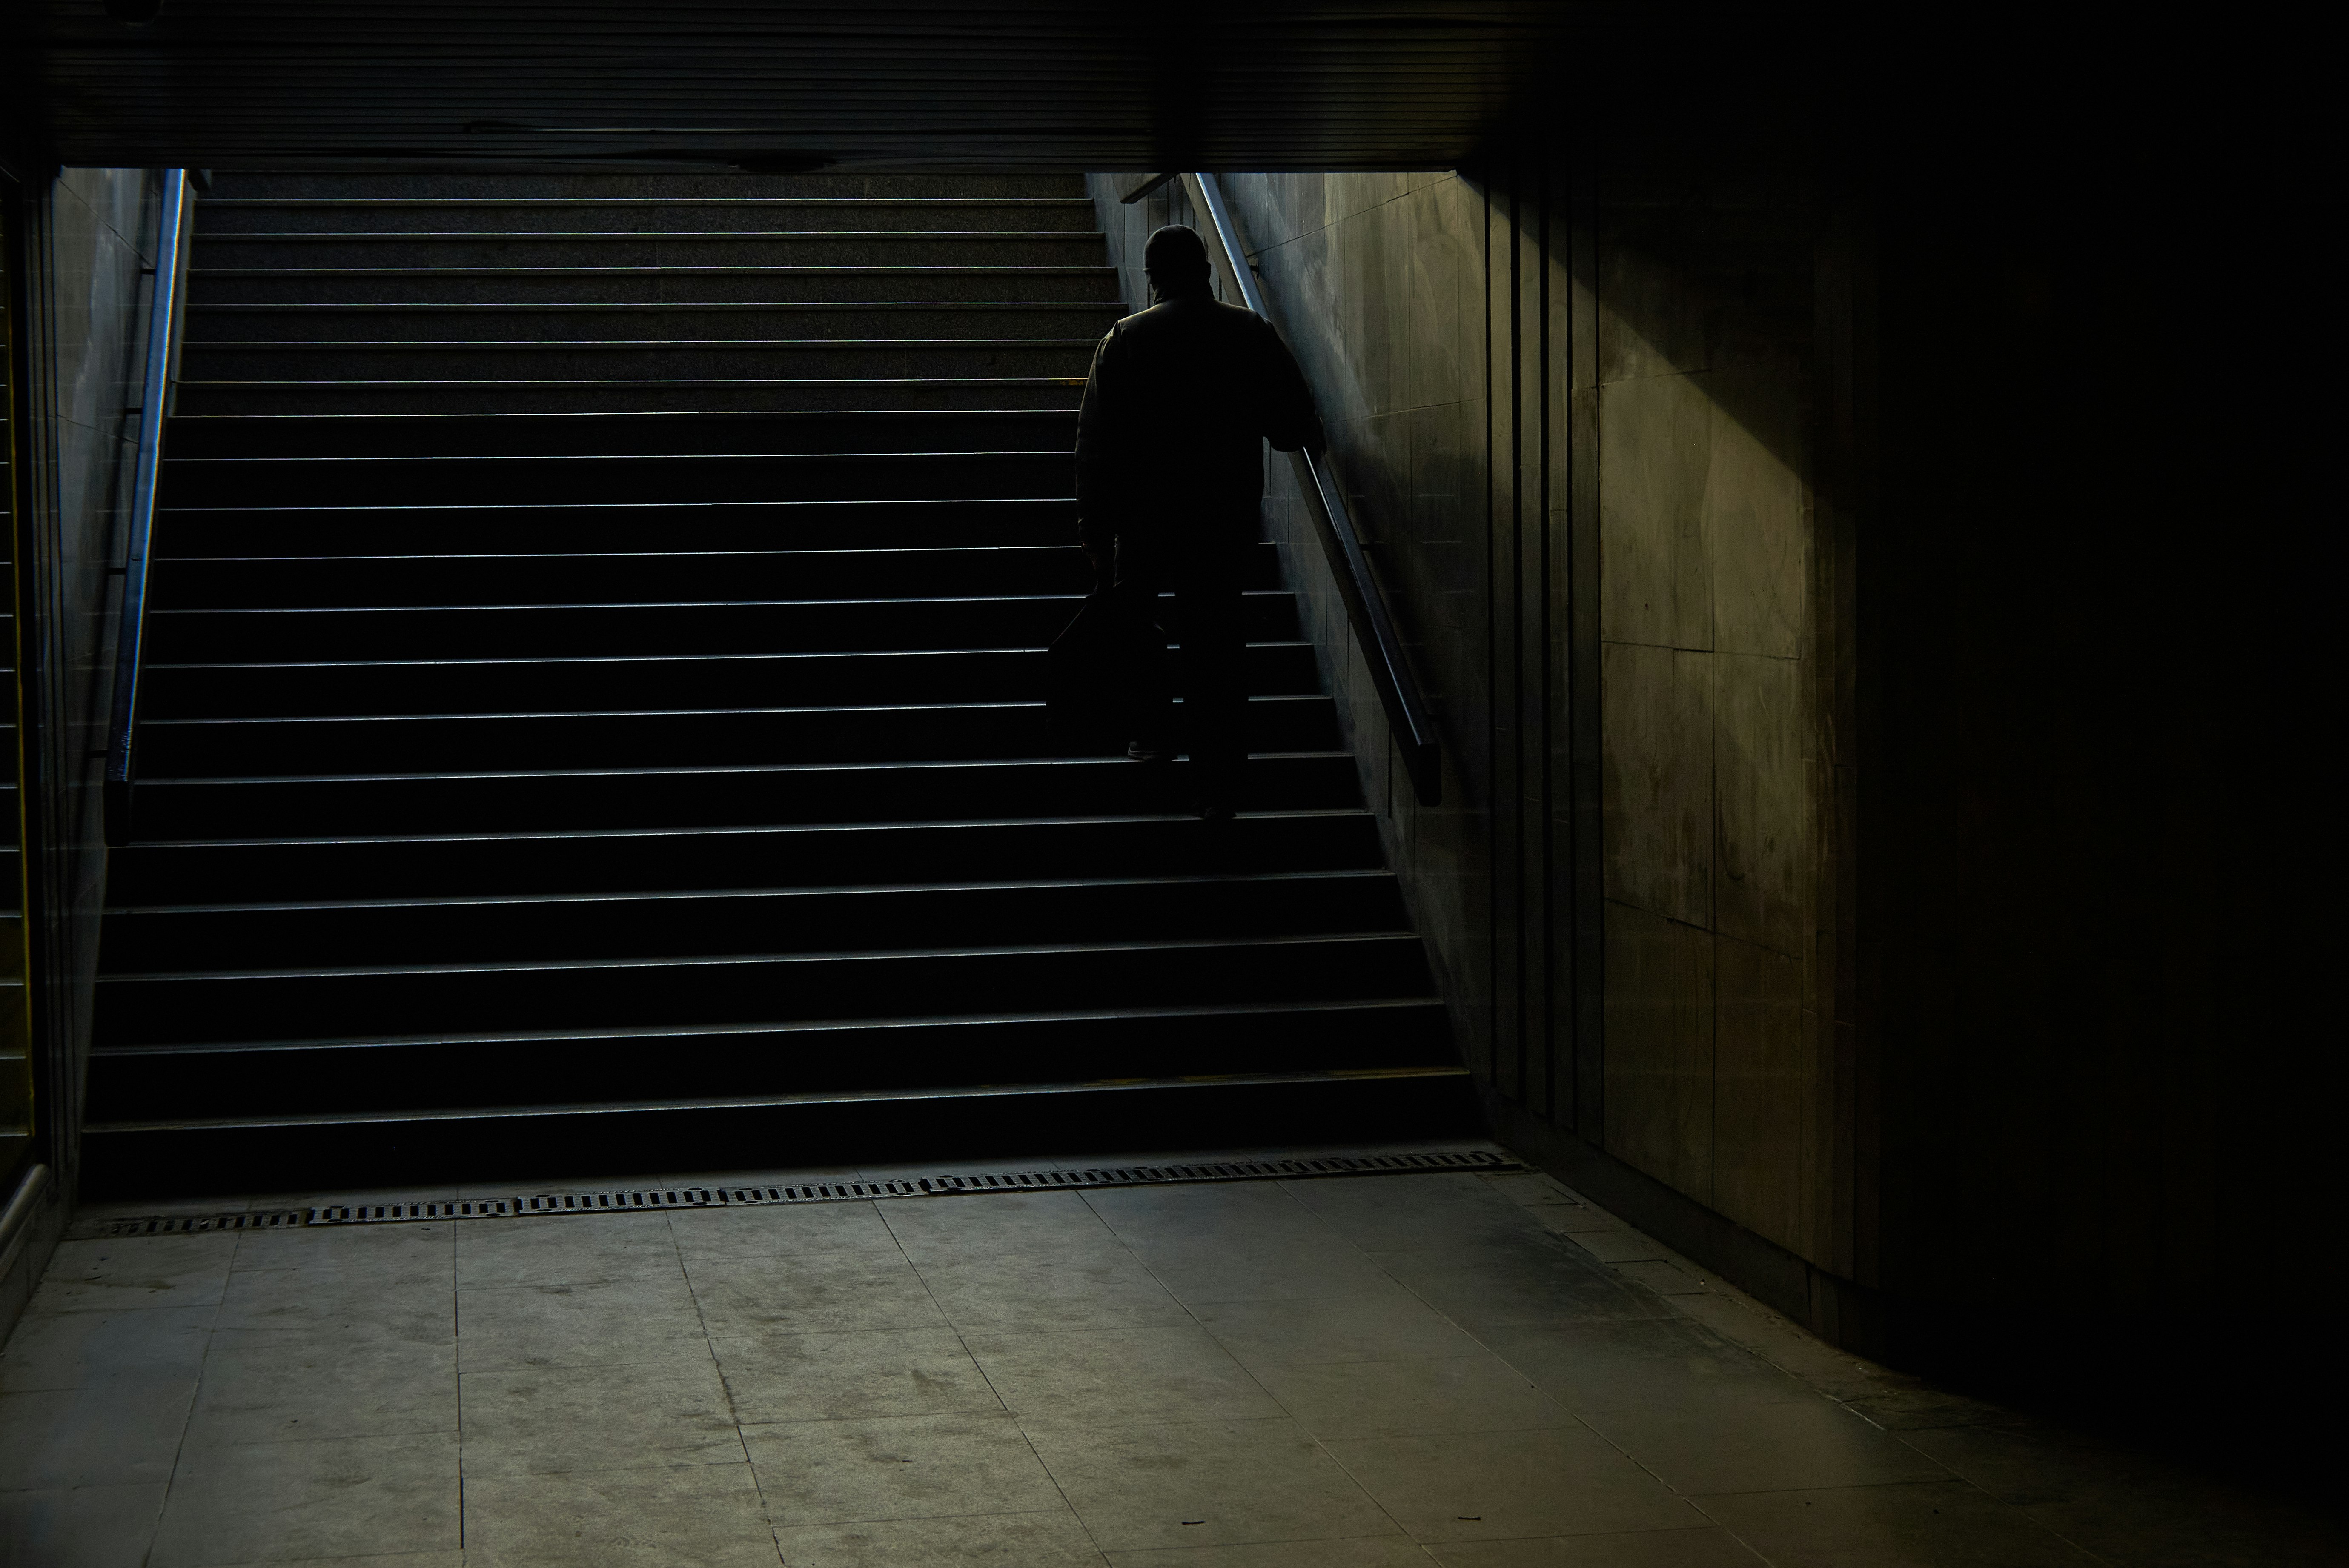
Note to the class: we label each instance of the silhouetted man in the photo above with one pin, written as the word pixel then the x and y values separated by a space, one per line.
pixel 1170 481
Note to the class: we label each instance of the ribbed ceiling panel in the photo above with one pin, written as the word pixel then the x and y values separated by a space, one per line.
pixel 1056 83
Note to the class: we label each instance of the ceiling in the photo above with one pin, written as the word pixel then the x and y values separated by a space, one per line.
pixel 1381 84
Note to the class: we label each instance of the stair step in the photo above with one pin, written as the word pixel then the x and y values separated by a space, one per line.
pixel 819 854
pixel 219 218
pixel 282 1078
pixel 714 626
pixel 701 432
pixel 505 320
pixel 635 360
pixel 558 685
pixel 623 395
pixel 665 186
pixel 620 476
pixel 189 811
pixel 708 738
pixel 550 927
pixel 243 1154
pixel 316 532
pixel 619 577
pixel 729 988
pixel 738 248
pixel 624 285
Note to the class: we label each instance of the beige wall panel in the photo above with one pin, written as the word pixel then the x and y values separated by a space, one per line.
pixel 1652 321
pixel 1763 1078
pixel 1764 817
pixel 1655 448
pixel 1444 224
pixel 1756 526
pixel 1659 1073
pixel 1656 707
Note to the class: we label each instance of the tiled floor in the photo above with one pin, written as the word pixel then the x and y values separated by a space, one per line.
pixel 1478 1372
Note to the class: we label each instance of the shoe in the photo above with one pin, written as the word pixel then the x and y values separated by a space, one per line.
pixel 1145 751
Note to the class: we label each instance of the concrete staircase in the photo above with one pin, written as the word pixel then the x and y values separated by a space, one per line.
pixel 592 718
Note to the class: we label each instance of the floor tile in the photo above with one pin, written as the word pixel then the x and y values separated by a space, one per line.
pixel 564 1249
pixel 987 1224
pixel 1040 1290
pixel 1571 1219
pixel 898 1467
pixel 1765 1334
pixel 265 1501
pixel 68 1349
pixel 1049 1539
pixel 397 1560
pixel 781 1230
pixel 1642 1365
pixel 1946 1524
pixel 540 1420
pixel 1530 1188
pixel 1302 1271
pixel 1387 1324
pixel 1616 1246
pixel 1205 1483
pixel 1663 1278
pixel 1479 1393
pixel 136 1272
pixel 330 1302
pixel 1527 1281
pixel 1700 1449
pixel 399 1253
pixel 1244 1241
pixel 104 1434
pixel 1706 1548
pixel 699 1516
pixel 262 1386
pixel 826 1377
pixel 809 1293
pixel 80 1527
pixel 1122 1374
pixel 2136 1509
pixel 1206 1217
pixel 1563 1481
pixel 1401 1214
pixel 617 1323
pixel 1358 1552
pixel 1916 1409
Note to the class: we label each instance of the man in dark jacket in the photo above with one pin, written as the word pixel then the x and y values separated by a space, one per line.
pixel 1170 483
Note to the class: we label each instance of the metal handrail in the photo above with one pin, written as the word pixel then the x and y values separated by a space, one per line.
pixel 1381 646
pixel 154 406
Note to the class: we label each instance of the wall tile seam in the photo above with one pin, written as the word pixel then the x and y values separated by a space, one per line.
pixel 1670 919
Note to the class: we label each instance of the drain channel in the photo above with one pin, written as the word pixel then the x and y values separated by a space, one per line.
pixel 638 1198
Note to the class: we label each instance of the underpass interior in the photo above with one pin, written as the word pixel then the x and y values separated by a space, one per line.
pixel 579 1006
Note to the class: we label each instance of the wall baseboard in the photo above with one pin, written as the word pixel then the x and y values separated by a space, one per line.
pixel 1836 1310
pixel 30 1228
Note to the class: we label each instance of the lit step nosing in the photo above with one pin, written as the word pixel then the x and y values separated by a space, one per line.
pixel 761 830
pixel 811 890
pixel 783 1026
pixel 744 960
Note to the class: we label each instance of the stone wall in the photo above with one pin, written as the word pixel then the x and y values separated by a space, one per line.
pixel 1573 419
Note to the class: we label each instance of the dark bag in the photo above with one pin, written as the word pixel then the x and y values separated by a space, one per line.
pixel 1094 672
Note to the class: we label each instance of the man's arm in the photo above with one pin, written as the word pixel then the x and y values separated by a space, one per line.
pixel 1289 419
pixel 1098 456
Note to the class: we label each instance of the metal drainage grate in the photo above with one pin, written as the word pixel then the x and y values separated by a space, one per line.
pixel 731 1196
pixel 193 1225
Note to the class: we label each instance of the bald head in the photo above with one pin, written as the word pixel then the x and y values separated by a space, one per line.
pixel 1176 260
